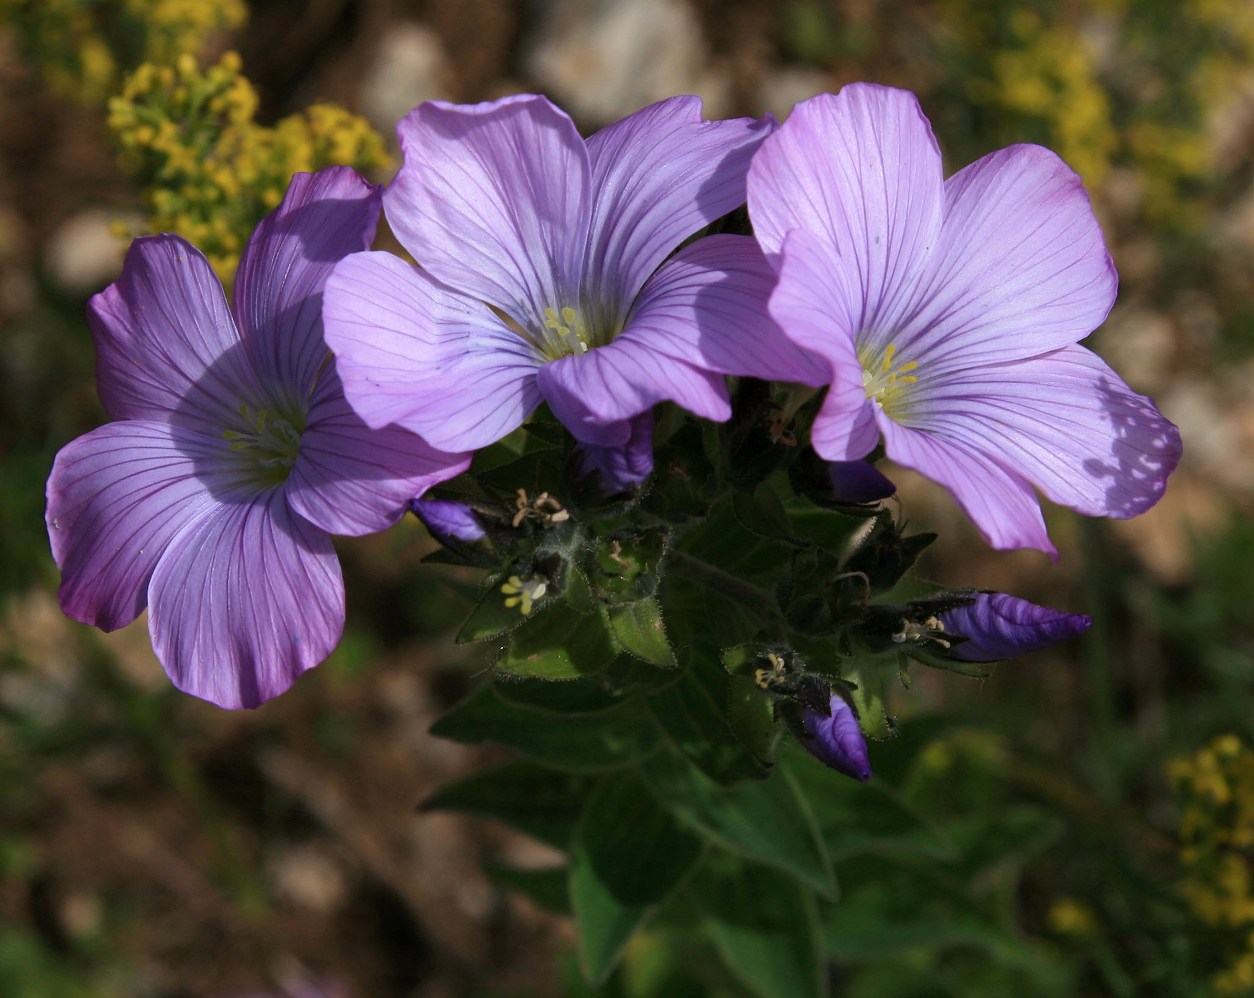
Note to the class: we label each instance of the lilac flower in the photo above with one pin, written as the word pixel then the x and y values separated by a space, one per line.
pixel 449 521
pixel 949 312
pixel 233 457
pixel 998 626
pixel 836 739
pixel 621 467
pixel 543 277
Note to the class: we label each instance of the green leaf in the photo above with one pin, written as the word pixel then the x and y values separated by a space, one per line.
pixel 765 928
pixel 546 885
pixel 558 643
pixel 575 696
pixel 627 856
pixel 640 630
pixel 764 820
pixel 580 743
pixel 542 802
pixel 696 721
pixel 764 514
pixel 871 679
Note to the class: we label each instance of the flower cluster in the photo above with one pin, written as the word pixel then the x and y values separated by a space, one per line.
pixel 558 287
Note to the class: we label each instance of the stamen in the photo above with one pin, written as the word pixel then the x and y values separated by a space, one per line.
pixel 886 383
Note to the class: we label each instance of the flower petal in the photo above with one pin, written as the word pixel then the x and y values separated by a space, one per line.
pixel 1021 267
pixel 596 394
pixel 351 479
pixel 860 169
pixel 999 502
pixel 493 199
pixel 278 288
pixel 658 176
pixel 164 336
pixel 1066 422
pixel 812 304
pixel 244 601
pixel 116 497
pixel 708 306
pixel 998 626
pixel 409 351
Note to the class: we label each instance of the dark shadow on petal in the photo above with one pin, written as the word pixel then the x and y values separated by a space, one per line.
pixel 1146 450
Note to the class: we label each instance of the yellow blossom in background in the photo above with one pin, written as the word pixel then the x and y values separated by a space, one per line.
pixel 1215 787
pixel 84 47
pixel 209 172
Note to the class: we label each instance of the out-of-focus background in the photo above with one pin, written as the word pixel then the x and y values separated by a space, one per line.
pixel 1101 795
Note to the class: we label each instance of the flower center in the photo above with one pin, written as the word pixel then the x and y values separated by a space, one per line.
pixel 885 381
pixel 267 443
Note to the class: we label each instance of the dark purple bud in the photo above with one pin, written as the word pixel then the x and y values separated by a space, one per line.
pixel 858 482
pixel 836 740
pixel 453 524
pixel 998 626
pixel 624 467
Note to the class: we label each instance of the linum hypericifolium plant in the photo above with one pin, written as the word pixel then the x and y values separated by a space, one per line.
pixel 690 582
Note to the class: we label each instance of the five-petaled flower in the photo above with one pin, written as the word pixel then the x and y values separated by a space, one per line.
pixel 949 312
pixel 233 456
pixel 545 277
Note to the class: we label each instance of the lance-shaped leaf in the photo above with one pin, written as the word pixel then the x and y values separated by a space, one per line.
pixel 763 820
pixel 639 628
pixel 765 927
pixel 559 643
pixel 629 854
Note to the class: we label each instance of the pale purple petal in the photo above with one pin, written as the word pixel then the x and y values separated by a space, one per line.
pixel 410 351
pixel 861 170
pixel 708 306
pixel 165 337
pixel 596 394
pixel 494 200
pixel 658 176
pixel 244 601
pixel 858 482
pixel 278 287
pixel 116 497
pixel 836 740
pixel 1021 267
pixel 1068 423
pixel 623 467
pixel 351 479
pixel 811 303
pixel 999 501
pixel 998 626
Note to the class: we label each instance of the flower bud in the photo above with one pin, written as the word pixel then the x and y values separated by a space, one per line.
pixel 998 626
pixel 858 482
pixel 836 739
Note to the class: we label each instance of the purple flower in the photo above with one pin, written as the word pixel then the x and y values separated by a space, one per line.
pixel 998 626
pixel 836 739
pixel 949 313
pixel 234 455
pixel 543 275
pixel 622 467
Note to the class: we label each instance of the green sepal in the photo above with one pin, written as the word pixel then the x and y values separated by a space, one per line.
pixel 767 821
pixel 558 643
pixel 867 683
pixel 641 631
pixel 765 927
pixel 627 564
pixel 537 800
pixel 491 617
pixel 938 660
pixel 627 856
pixel 885 554
pixel 751 715
pixel 580 743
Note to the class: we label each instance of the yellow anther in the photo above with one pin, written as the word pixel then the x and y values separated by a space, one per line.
pixel 523 593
